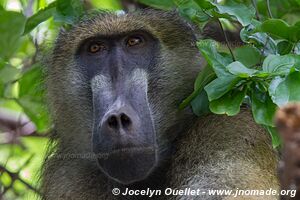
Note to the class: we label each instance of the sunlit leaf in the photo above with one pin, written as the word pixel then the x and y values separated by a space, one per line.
pixel 284 90
pixel 107 5
pixel 278 64
pixel 39 17
pixel 228 104
pixel 11 28
pixel 238 69
pixel 276 140
pixel 239 11
pixel 281 29
pixel 220 86
pixel 219 62
pixel 68 11
pixel 9 73
pixel 263 108
pixel 203 78
pixel 191 10
pixel 31 98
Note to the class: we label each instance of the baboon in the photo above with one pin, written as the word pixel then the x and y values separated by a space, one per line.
pixel 114 84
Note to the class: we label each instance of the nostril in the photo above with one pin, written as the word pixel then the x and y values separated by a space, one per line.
pixel 125 120
pixel 113 122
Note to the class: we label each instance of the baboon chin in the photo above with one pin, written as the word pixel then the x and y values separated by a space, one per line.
pixel 128 165
pixel 114 84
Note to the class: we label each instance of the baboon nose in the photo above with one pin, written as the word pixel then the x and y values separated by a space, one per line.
pixel 117 121
pixel 120 123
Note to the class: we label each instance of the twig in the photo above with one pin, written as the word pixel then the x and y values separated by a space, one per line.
pixel 294 47
pixel 15 123
pixel 256 9
pixel 288 124
pixel 269 9
pixel 28 11
pixel 226 39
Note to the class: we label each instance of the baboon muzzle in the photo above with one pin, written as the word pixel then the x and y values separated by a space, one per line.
pixel 124 137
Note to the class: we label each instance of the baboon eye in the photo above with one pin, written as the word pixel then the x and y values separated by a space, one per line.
pixel 134 41
pixel 96 47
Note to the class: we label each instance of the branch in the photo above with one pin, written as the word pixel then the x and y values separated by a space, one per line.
pixel 226 39
pixel 256 9
pixel 269 9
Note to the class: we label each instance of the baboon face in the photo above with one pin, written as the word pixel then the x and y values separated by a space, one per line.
pixel 123 133
pixel 125 77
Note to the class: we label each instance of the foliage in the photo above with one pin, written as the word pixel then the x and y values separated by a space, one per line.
pixel 263 72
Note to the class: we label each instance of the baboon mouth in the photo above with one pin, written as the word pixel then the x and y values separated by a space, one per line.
pixel 128 165
pixel 124 151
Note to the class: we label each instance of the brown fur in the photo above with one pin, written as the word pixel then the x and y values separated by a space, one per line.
pixel 225 153
pixel 214 152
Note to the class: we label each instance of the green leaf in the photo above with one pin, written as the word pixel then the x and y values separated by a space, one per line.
pixel 31 97
pixel 107 5
pixel 249 29
pixel 205 4
pixel 278 64
pixel 36 111
pixel 280 28
pixel 276 140
pixel 228 104
pixel 238 11
pixel 11 90
pixel 263 109
pixel 8 74
pixel 238 69
pixel 31 82
pixel 39 17
pixel 208 49
pixel 2 89
pixel 11 28
pixel 220 86
pixel 200 104
pixel 285 90
pixel 68 11
pixel 160 4
pixel 279 8
pixel 284 47
pixel 248 55
pixel 273 86
pixel 204 77
pixel 191 10
pixel 297 48
pixel 263 41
